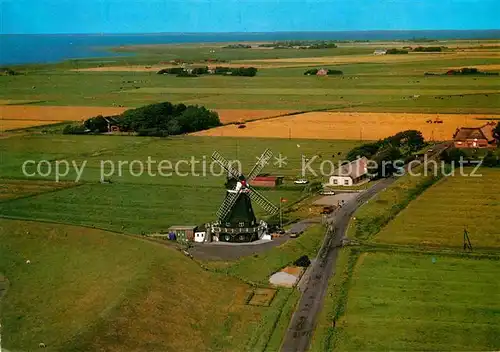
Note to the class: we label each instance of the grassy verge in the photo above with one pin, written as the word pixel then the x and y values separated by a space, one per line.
pixel 259 267
pixel 336 299
pixel 268 333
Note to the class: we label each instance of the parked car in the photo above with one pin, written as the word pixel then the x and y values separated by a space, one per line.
pixel 328 193
pixel 301 182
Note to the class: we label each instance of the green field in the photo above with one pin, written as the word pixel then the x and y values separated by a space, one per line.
pixel 149 202
pixel 408 286
pixel 377 212
pixel 366 86
pixel 144 296
pixel 96 289
pixel 438 217
pixel 415 302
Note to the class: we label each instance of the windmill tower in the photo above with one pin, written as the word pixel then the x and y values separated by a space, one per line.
pixel 236 221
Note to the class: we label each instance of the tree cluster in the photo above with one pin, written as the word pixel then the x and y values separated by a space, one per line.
pixel 466 71
pixel 428 49
pixel 386 151
pixel 456 156
pixel 237 46
pixel 219 70
pixel 496 133
pixel 161 119
pixel 395 51
pixel 238 71
pixel 301 44
pixel 5 71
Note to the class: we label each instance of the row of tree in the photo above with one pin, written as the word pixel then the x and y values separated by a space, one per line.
pixel 301 44
pixel 237 46
pixel 219 70
pixel 466 71
pixel 395 51
pixel 161 119
pixel 386 152
pixel 428 49
pixel 456 156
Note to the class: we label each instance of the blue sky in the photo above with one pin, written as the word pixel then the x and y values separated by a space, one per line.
pixel 149 16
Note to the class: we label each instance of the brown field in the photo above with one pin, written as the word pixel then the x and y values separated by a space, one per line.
pixel 348 59
pixel 21 116
pixel 350 125
pixel 491 67
pixel 11 189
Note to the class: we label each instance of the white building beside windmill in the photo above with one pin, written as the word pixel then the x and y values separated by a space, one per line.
pixel 351 174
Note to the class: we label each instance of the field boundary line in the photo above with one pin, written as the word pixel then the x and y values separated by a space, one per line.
pixel 47 221
pixel 490 254
pixel 41 193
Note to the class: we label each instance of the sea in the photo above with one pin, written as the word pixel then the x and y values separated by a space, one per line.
pixel 51 48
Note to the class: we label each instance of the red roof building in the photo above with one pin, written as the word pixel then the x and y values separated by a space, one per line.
pixel 267 181
pixel 475 137
pixel 322 72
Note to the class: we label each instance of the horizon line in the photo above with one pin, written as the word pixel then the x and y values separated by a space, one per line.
pixel 256 32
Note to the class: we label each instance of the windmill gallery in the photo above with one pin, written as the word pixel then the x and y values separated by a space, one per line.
pixel 235 220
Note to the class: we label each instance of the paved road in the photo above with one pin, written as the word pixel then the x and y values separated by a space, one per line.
pixel 304 319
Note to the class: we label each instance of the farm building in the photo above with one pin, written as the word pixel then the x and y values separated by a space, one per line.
pixel 380 52
pixel 267 181
pixel 351 174
pixel 183 231
pixel 475 137
pixel 112 124
pixel 322 72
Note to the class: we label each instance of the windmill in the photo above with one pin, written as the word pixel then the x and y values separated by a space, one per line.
pixel 236 221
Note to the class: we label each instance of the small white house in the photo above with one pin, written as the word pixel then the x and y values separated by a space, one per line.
pixel 350 174
pixel 199 236
pixel 380 52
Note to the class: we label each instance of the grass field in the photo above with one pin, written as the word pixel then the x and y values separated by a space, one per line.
pixel 370 83
pixel 372 216
pixel 145 296
pixel 260 267
pixel 87 289
pixel 10 189
pixel 149 202
pixel 412 302
pixel 437 218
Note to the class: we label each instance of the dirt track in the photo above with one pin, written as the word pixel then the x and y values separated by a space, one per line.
pixel 350 125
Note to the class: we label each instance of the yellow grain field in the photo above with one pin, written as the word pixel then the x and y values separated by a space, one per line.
pixel 21 116
pixel 351 125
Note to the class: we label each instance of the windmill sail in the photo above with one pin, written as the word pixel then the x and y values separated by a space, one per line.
pixel 227 205
pixel 263 161
pixel 263 202
pixel 219 159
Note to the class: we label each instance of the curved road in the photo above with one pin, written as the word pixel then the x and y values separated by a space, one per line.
pixel 303 321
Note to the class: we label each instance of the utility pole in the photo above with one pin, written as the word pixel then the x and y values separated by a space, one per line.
pixel 281 216
pixel 467 244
